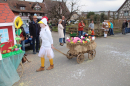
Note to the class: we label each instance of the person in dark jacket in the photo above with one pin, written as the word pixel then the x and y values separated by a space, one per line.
pixel 49 24
pixel 34 29
pixel 123 27
pixel 126 23
pixel 64 23
pixel 23 37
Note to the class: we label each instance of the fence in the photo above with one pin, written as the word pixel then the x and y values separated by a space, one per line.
pixel 98 28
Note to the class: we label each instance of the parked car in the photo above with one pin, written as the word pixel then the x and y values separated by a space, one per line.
pixel 77 21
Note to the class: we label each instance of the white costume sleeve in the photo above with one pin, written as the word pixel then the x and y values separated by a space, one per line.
pixel 48 32
pixel 60 26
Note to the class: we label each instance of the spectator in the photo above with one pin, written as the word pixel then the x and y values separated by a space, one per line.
pixel 123 27
pixel 111 29
pixel 81 25
pixel 60 31
pixel 105 26
pixel 126 30
pixel 126 23
pixel 91 25
pixel 109 26
pixel 49 24
pixel 23 38
pixel 34 30
pixel 89 32
pixel 64 23
pixel 92 34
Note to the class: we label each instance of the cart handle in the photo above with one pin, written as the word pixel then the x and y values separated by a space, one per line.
pixel 60 51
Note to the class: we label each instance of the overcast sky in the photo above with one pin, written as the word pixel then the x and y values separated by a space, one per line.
pixel 97 5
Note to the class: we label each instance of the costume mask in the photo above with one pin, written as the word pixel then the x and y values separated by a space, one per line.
pixel 42 25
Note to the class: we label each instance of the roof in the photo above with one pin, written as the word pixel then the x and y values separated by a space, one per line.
pixel 122 5
pixel 15 6
pixel 6 15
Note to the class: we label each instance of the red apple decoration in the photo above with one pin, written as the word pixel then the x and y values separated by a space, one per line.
pixel 86 41
pixel 8 51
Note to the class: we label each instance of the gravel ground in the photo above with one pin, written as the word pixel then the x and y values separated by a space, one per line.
pixel 110 67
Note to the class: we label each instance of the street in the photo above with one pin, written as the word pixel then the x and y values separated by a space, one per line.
pixel 110 67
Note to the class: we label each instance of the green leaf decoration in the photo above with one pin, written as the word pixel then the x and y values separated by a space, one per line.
pixel 18 32
pixel 0 42
pixel 10 47
pixel 2 45
pixel 14 46
pixel 19 45
pixel 17 38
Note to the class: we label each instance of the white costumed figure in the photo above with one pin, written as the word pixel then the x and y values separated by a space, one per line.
pixel 46 51
pixel 105 27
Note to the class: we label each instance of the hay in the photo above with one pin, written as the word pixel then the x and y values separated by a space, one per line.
pixel 80 47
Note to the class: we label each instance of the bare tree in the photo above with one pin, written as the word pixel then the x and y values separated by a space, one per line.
pixel 74 6
pixel 57 9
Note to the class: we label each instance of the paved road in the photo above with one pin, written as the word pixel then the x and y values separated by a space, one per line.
pixel 110 67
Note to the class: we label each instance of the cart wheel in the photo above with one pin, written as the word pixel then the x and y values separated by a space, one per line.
pixel 69 55
pixel 80 58
pixel 91 54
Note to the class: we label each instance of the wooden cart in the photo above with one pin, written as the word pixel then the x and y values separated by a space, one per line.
pixel 78 50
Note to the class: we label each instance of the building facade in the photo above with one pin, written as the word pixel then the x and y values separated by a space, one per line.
pixel 75 16
pixel 124 11
pixel 25 9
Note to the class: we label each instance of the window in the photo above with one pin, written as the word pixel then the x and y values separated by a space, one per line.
pixel 37 4
pixel 28 14
pixel 37 8
pixel 24 14
pixel 20 14
pixel 126 13
pixel 5 36
pixel 22 8
pixel 41 14
pixel 111 13
pixel 38 14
